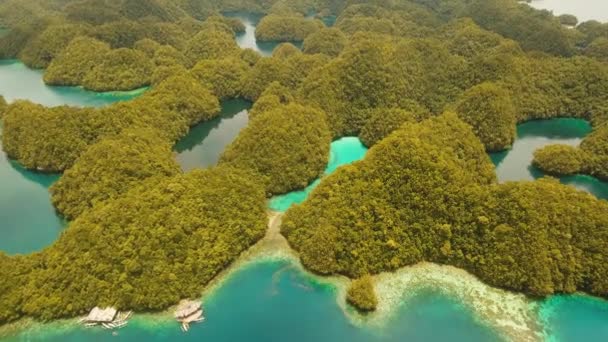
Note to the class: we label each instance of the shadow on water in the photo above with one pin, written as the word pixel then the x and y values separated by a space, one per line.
pixel 205 142
pixel 516 163
pixel 247 39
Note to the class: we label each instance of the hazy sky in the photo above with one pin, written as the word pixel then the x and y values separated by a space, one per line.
pixel 583 9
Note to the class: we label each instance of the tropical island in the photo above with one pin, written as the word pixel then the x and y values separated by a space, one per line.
pixel 430 87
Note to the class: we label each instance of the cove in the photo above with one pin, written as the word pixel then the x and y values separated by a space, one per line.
pixel 275 301
pixel 28 221
pixel 516 163
pixel 247 40
pixel 18 82
pixel 205 142
pixel 342 151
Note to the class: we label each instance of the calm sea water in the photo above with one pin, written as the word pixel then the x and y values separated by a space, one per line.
pixel 206 141
pixel 274 301
pixel 342 151
pixel 583 9
pixel 246 40
pixel 28 221
pixel 18 82
pixel 516 163
pixel 575 318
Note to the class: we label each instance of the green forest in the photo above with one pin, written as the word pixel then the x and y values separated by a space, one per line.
pixel 430 86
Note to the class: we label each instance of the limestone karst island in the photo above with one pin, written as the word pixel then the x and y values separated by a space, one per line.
pixel 304 170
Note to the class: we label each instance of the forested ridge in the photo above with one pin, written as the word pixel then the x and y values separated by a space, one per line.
pixel 429 86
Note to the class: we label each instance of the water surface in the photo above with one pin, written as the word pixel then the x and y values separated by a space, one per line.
pixel 342 151
pixel 516 164
pixel 275 301
pixel 575 318
pixel 28 221
pixel 205 142
pixel 18 82
pixel 583 9
pixel 247 40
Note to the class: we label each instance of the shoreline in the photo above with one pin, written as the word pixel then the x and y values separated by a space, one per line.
pixel 512 316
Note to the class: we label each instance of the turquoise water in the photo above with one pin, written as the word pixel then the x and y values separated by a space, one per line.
pixel 516 163
pixel 28 221
pixel 342 151
pixel 18 82
pixel 275 301
pixel 206 141
pixel 575 318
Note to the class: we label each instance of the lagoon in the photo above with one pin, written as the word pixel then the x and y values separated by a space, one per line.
pixel 516 163
pixel 18 82
pixel 341 152
pixel 275 301
pixel 205 142
pixel 247 40
pixel 28 221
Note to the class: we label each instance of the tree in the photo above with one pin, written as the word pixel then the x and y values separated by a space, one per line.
pixel 330 41
pixel 39 52
pixel 3 106
pixel 120 69
pixel 210 44
pixel 383 121
pixel 287 145
pixel 223 76
pixel 487 107
pixel 559 159
pixel 71 66
pixel 110 167
pixel 568 20
pixel 598 49
pixel 286 28
pixel 361 294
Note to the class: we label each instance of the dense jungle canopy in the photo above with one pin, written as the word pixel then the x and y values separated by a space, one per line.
pixel 430 86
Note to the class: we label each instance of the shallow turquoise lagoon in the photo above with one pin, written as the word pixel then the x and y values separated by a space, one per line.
pixel 342 151
pixel 516 163
pixel 575 318
pixel 275 301
pixel 205 142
